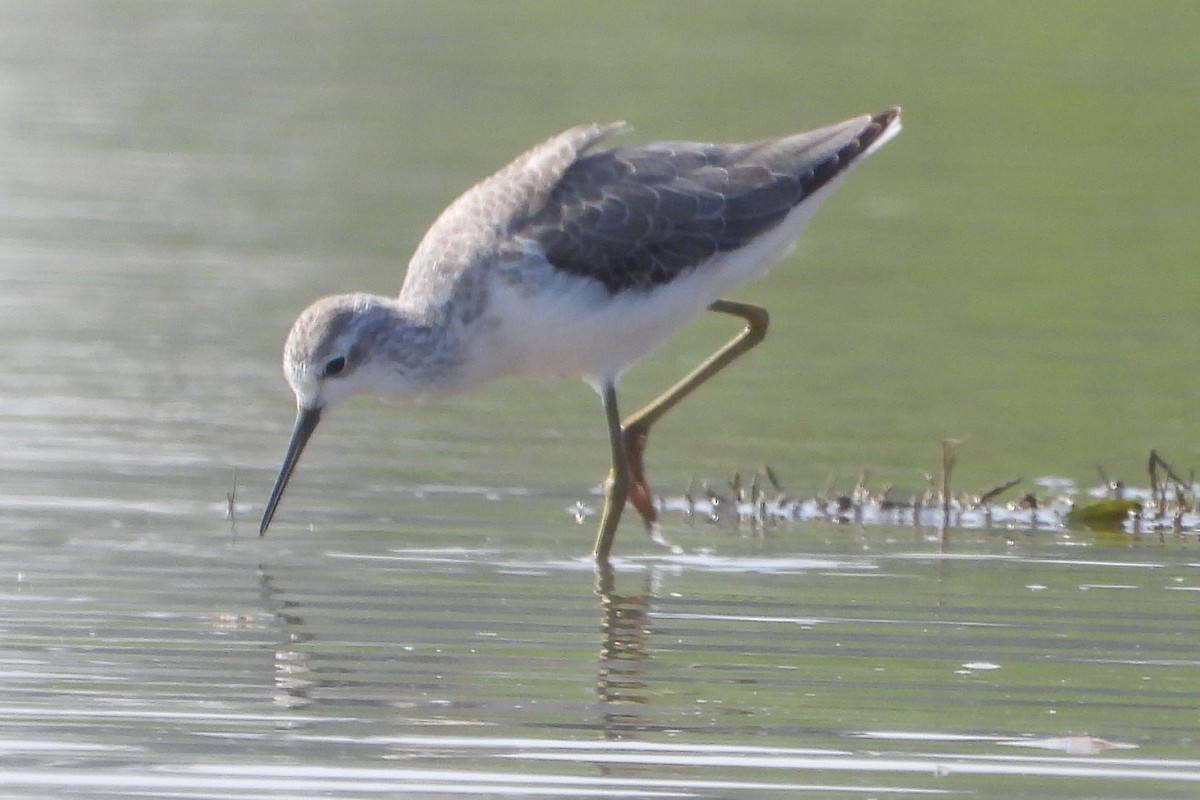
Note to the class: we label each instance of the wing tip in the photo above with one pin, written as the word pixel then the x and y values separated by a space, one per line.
pixel 881 129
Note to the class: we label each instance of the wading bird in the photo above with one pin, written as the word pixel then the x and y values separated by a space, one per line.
pixel 577 261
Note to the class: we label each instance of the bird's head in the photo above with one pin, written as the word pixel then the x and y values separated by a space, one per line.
pixel 327 357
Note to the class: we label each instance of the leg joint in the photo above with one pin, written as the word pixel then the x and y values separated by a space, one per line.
pixel 756 318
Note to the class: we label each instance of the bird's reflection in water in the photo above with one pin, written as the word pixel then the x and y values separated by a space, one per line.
pixel 624 650
pixel 622 683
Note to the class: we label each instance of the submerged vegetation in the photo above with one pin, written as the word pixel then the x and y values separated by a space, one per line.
pixel 1169 505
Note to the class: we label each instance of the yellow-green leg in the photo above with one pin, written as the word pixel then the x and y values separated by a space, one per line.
pixel 627 439
pixel 616 487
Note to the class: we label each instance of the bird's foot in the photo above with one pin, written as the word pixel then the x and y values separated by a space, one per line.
pixel 639 495
pixel 640 498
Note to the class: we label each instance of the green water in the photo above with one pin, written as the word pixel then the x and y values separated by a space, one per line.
pixel 178 180
pixel 1018 267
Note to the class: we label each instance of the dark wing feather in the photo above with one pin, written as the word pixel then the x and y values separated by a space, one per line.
pixel 638 217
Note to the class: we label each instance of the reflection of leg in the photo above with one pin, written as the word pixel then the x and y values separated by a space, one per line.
pixel 636 429
pixel 622 682
pixel 616 488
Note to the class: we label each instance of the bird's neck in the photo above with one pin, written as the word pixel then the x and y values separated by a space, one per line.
pixel 418 352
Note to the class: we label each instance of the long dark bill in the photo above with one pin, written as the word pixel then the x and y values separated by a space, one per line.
pixel 306 423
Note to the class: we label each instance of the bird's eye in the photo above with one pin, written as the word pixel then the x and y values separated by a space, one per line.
pixel 334 367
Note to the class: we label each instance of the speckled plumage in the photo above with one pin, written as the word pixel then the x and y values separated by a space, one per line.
pixel 638 217
pixel 570 261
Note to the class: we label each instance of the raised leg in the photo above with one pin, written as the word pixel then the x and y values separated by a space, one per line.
pixel 636 429
pixel 628 438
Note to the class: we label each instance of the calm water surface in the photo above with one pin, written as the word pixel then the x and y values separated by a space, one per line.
pixel 177 181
